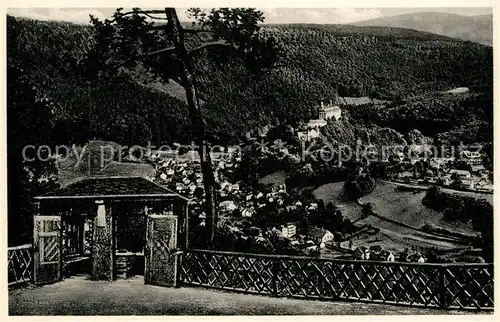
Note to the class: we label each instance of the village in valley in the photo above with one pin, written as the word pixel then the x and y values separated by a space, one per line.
pixel 211 148
pixel 269 216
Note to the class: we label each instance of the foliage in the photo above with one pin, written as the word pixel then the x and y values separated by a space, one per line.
pixel 323 172
pixel 431 228
pixel 449 118
pixel 367 210
pixel 316 62
pixel 358 186
pixel 240 28
pixel 381 62
pixel 478 212
pixel 31 167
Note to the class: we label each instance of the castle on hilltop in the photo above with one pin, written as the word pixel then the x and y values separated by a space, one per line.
pixel 329 111
pixel 325 113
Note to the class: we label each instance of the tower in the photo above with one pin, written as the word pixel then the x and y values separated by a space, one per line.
pixel 322 113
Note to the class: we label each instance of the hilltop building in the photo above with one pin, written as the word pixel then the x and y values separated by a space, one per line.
pixel 325 113
pixel 329 111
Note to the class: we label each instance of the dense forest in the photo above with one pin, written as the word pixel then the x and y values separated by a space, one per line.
pixel 448 118
pixel 316 61
pixel 477 212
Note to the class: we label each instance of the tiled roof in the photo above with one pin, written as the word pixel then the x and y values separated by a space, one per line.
pixel 460 172
pixel 316 123
pixel 128 169
pixel 328 108
pixel 113 186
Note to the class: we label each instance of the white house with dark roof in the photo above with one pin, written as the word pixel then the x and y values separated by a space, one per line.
pixel 319 235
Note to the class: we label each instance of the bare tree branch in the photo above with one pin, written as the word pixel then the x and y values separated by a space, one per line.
pixel 143 12
pixel 164 50
pixel 147 13
pixel 157 11
pixel 214 44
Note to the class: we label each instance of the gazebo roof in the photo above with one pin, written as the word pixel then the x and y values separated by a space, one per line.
pixel 113 187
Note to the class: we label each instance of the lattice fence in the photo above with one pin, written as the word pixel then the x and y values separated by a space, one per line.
pixel 20 264
pixel 465 286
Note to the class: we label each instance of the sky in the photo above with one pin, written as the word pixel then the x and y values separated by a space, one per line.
pixel 273 15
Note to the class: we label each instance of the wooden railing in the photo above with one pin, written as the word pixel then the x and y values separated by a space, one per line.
pixel 462 286
pixel 20 264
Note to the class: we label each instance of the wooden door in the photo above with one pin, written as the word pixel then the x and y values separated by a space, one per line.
pixel 47 242
pixel 160 258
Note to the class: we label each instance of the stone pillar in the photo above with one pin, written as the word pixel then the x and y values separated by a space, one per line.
pixel 102 256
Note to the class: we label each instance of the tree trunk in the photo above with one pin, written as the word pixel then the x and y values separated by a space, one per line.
pixel 198 125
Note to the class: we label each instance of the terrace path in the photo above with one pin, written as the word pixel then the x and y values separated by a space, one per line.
pixel 79 296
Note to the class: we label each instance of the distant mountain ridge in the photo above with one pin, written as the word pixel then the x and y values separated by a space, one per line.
pixel 472 28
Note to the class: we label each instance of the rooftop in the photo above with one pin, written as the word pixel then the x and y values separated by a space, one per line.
pixel 460 172
pixel 471 154
pixel 108 187
pixel 330 108
pixel 128 169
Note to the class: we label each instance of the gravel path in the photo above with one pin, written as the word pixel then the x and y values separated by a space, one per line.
pixel 79 296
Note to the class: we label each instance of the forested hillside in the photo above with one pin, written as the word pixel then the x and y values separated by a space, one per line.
pixel 449 118
pixel 315 61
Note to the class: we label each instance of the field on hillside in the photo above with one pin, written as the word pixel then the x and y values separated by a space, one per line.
pixel 333 192
pixel 405 207
pixel 400 206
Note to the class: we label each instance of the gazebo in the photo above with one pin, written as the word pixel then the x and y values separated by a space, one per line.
pixel 99 221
